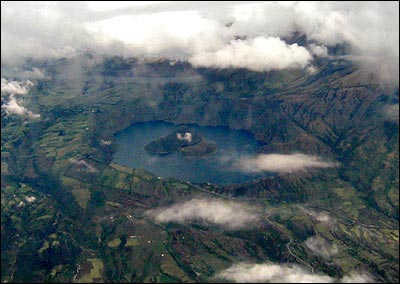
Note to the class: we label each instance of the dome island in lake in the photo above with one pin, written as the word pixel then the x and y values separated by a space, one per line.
pixel 184 140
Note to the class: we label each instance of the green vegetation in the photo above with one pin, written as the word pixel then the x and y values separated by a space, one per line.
pixel 87 221
pixel 95 273
pixel 114 243
pixel 185 140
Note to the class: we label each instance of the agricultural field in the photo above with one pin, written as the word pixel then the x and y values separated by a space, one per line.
pixel 71 214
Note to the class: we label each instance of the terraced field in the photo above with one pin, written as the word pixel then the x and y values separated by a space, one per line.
pixel 71 215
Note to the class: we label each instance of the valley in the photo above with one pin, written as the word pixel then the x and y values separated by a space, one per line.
pixel 92 212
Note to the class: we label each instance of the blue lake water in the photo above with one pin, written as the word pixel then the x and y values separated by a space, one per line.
pixel 213 169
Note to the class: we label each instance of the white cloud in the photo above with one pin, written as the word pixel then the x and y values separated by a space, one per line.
pixel 187 136
pixel 271 273
pixel 85 166
pixel 115 5
pixel 229 215
pixel 321 247
pixel 318 50
pixel 358 277
pixel 370 28
pixel 30 199
pixel 283 273
pixel 32 29
pixel 266 19
pixel 392 112
pixel 21 74
pixel 281 163
pixel 259 54
pixel 176 35
pixel 199 31
pixel 320 216
pixel 13 107
pixel 15 89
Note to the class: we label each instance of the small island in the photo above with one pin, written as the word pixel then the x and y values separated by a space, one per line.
pixel 184 140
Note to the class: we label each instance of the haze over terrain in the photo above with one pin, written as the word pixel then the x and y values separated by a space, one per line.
pixel 237 34
pixel 315 83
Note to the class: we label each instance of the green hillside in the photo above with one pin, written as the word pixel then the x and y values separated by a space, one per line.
pixel 69 214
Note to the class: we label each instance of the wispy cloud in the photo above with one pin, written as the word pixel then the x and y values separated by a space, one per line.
pixel 320 216
pixel 21 74
pixel 15 90
pixel 271 273
pixel 30 199
pixel 13 107
pixel 83 165
pixel 358 277
pixel 281 163
pixel 391 111
pixel 318 50
pixel 226 33
pixel 283 273
pixel 320 246
pixel 227 214
pixel 187 136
